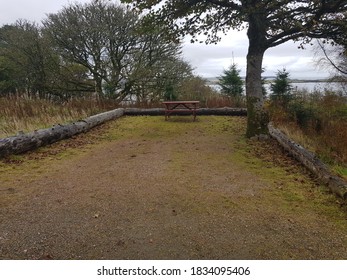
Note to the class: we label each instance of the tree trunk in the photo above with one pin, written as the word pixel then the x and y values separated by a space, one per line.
pixel 98 85
pixel 26 142
pixel 311 162
pixel 257 120
pixel 200 112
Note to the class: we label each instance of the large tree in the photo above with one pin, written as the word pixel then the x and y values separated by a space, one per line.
pixel 105 39
pixel 157 65
pixel 23 59
pixel 269 23
pixel 99 36
pixel 29 64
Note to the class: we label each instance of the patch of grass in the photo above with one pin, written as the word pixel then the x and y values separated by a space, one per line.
pixel 341 171
pixel 146 127
pixel 292 188
pixel 289 185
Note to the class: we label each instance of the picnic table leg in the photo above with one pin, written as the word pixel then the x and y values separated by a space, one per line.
pixel 167 112
pixel 194 112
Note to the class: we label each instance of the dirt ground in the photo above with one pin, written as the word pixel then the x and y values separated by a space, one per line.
pixel 143 188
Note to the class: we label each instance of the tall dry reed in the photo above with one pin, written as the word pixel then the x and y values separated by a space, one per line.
pixel 317 121
pixel 18 113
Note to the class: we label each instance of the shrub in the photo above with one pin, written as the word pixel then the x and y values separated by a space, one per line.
pixel 305 115
pixel 320 117
pixel 281 88
pixel 231 82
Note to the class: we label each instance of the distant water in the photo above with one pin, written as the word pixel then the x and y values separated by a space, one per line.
pixel 310 87
pixel 317 86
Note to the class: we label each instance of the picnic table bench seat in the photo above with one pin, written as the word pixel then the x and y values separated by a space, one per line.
pixel 180 106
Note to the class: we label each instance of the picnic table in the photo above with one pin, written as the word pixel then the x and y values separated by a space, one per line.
pixel 180 106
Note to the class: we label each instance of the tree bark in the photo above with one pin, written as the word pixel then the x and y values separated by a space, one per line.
pixel 98 85
pixel 199 112
pixel 257 120
pixel 222 111
pixel 311 162
pixel 25 142
pixel 144 112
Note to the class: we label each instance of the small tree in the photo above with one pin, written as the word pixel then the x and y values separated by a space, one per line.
pixel 231 82
pixel 169 94
pixel 281 88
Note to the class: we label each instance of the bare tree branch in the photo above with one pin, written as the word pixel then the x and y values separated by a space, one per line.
pixel 330 60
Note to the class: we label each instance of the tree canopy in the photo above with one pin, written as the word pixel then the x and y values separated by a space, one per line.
pixel 22 57
pixel 268 23
pixel 279 21
pixel 98 47
pixel 108 40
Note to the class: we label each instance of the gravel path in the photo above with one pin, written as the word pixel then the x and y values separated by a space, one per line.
pixel 143 188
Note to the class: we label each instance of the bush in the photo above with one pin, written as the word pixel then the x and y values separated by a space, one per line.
pixel 231 82
pixel 281 88
pixel 304 115
pixel 319 117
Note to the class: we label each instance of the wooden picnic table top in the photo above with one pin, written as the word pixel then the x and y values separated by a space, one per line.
pixel 180 102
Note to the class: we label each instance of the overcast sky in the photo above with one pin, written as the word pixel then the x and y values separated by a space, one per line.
pixel 208 60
